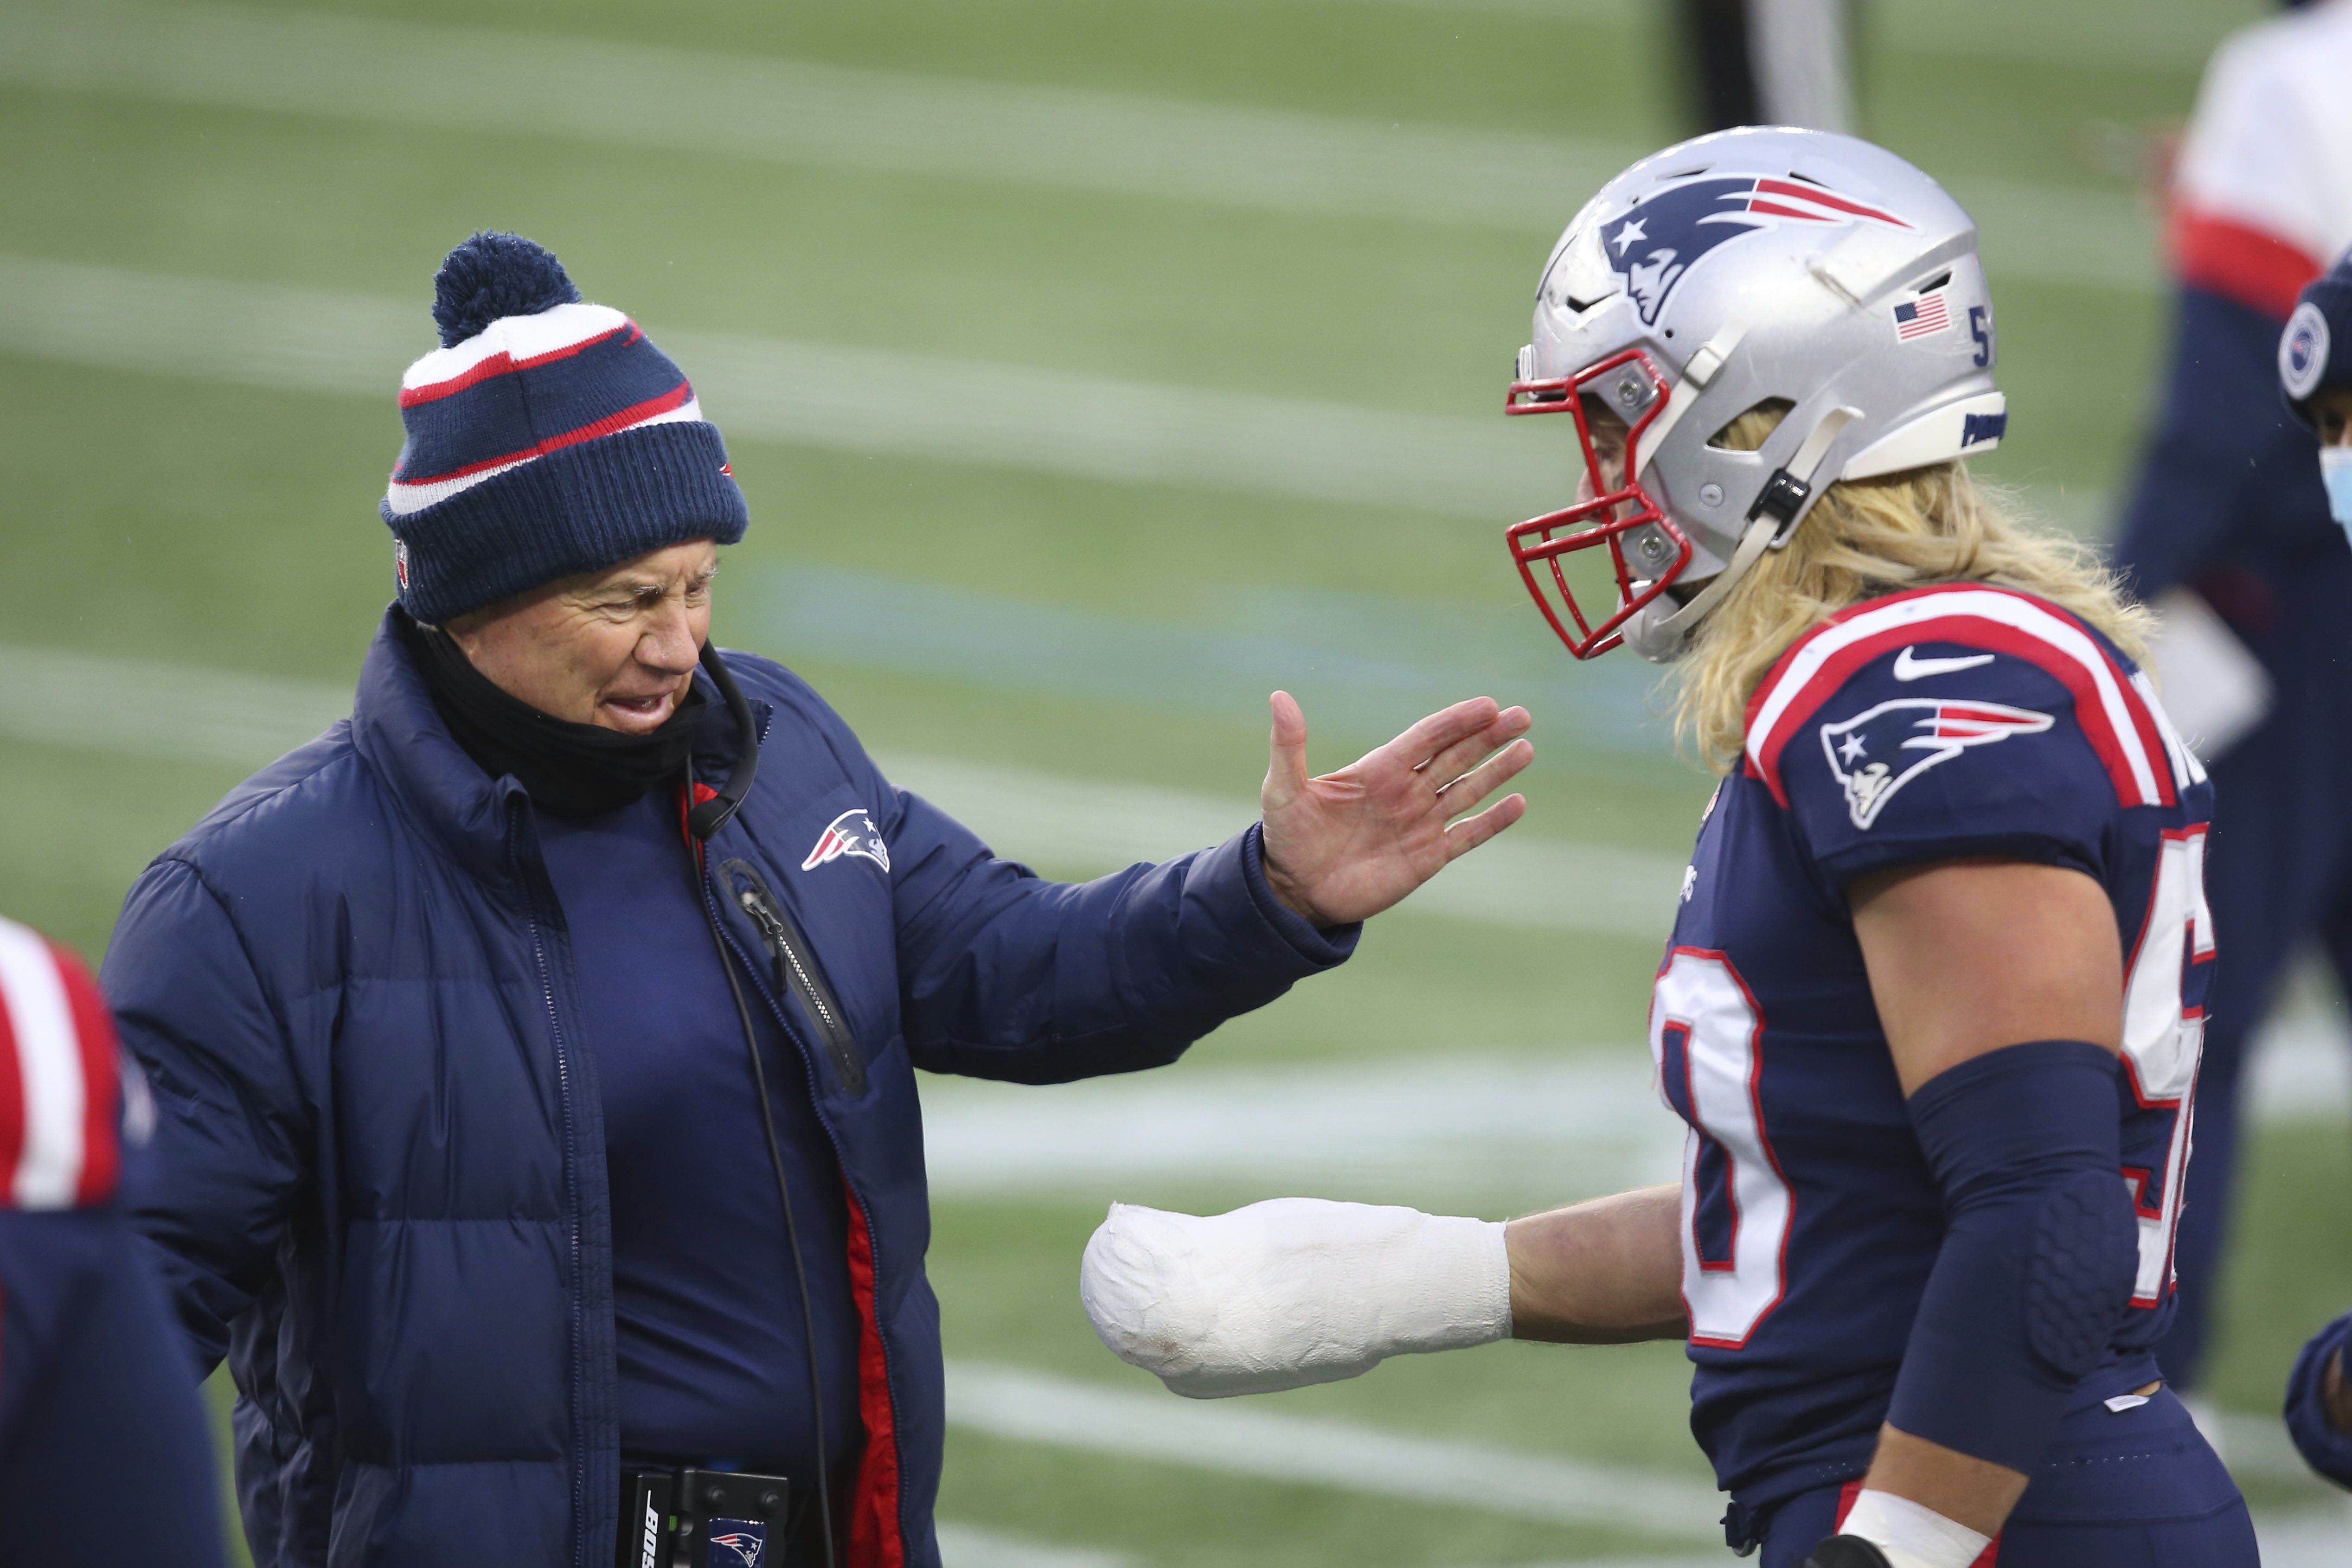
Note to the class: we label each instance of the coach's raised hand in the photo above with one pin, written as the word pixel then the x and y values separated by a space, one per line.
pixel 1347 845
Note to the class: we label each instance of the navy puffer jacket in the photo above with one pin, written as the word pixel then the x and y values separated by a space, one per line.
pixel 378 1185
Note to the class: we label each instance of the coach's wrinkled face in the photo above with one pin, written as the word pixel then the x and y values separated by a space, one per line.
pixel 615 648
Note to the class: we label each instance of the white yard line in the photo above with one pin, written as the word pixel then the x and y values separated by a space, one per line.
pixel 445 78
pixel 1245 1437
pixel 1451 1124
pixel 968 1546
pixel 826 395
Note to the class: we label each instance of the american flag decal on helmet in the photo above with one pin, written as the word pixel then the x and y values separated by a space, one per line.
pixel 1876 752
pixel 1923 317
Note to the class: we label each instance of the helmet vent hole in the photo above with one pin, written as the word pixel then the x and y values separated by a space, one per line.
pixel 1934 283
pixel 1748 431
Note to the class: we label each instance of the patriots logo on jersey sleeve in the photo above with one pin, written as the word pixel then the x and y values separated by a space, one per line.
pixel 1875 753
pixel 1652 244
pixel 850 834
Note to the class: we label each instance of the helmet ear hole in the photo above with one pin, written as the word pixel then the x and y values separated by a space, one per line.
pixel 1749 429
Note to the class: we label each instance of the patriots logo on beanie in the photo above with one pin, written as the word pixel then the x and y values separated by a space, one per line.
pixel 546 436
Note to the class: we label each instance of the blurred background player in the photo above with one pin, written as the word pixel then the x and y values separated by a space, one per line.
pixel 2314 366
pixel 2228 536
pixel 1920 1250
pixel 104 1459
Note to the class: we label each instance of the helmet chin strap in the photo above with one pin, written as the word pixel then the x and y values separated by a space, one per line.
pixel 1662 639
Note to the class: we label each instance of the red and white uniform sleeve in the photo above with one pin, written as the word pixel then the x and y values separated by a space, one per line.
pixel 2262 194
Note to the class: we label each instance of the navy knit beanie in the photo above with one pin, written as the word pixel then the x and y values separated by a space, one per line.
pixel 545 437
pixel 2315 350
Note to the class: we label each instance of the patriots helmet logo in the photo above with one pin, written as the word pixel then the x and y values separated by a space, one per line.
pixel 850 834
pixel 1652 244
pixel 1875 753
pixel 747 1547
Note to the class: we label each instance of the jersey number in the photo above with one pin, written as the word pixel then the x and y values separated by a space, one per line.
pixel 1705 1029
pixel 2164 1038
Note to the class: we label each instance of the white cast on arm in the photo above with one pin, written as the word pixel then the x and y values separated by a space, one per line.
pixel 1290 1292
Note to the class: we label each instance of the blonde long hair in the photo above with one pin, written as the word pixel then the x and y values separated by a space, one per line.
pixel 1863 539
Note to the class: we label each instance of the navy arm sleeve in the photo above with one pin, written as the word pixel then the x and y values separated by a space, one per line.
pixel 217 1185
pixel 1005 975
pixel 2323 1449
pixel 97 1395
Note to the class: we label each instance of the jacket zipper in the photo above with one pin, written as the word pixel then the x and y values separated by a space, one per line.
pixel 570 1178
pixel 796 973
pixel 848 1187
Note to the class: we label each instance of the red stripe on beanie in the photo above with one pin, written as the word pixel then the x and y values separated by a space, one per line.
pixel 502 364
pixel 677 397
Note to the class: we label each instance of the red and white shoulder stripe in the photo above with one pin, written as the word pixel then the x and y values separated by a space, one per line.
pixel 2116 708
pixel 59 1088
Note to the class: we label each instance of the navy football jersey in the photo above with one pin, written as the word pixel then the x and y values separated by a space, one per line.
pixel 1932 725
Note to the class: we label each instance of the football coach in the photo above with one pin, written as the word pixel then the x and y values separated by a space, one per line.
pixel 534 1050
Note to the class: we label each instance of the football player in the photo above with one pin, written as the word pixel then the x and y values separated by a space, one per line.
pixel 1932 1004
pixel 104 1459
pixel 2315 362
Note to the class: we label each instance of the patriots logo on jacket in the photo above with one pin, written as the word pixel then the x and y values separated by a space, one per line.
pixel 747 1547
pixel 850 834
pixel 1875 753
pixel 1652 244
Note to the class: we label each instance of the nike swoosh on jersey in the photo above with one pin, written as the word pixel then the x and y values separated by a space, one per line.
pixel 1910 666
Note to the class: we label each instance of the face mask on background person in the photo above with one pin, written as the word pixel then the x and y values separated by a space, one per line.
pixel 2336 473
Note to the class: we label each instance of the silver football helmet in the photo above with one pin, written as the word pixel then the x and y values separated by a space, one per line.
pixel 1732 270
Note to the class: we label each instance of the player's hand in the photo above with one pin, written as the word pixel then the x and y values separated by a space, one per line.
pixel 1347 845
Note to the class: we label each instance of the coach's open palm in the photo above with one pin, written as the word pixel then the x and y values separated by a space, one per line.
pixel 1347 845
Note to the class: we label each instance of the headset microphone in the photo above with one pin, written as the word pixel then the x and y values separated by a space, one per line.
pixel 704 818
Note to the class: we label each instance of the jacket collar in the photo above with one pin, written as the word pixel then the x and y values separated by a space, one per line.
pixel 399 733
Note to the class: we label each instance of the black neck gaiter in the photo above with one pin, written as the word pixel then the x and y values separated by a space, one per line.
pixel 577 771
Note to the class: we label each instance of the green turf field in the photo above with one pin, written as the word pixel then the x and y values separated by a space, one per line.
pixel 954 268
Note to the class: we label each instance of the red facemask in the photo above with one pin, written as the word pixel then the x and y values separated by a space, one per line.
pixel 1609 516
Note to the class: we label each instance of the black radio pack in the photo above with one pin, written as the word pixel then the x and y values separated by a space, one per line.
pixel 702 1519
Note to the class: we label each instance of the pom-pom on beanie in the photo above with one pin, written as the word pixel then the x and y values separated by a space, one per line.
pixel 546 437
